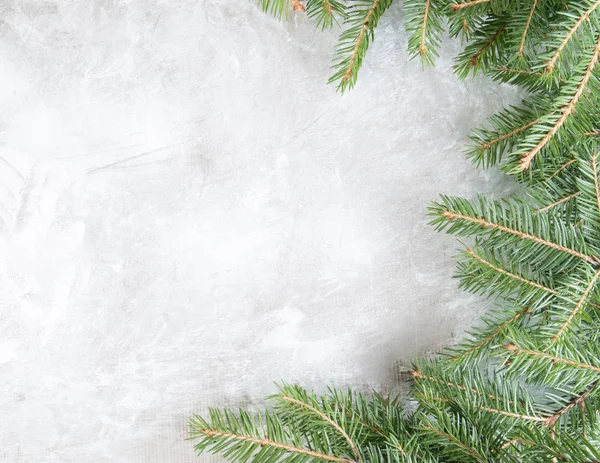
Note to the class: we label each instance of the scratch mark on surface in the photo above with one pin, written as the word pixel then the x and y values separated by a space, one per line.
pixel 101 151
pixel 131 158
pixel 25 195
pixel 13 168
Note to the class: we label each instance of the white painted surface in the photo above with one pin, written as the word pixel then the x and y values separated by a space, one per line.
pixel 188 212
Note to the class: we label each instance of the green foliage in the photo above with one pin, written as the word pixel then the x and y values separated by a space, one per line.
pixel 423 20
pixel 339 427
pixel 524 386
pixel 325 12
pixel 361 21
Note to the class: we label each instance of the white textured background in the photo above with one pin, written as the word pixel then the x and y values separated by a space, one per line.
pixel 187 212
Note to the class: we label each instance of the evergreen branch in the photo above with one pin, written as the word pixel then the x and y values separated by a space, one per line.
pixel 325 11
pixel 417 375
pixel 424 23
pixel 519 351
pixel 566 111
pixel 541 241
pixel 370 427
pixel 578 307
pixel 382 417
pixel 349 72
pixel 502 271
pixel 522 45
pixel 493 411
pixel 457 442
pixel 459 6
pixel 574 402
pixel 559 202
pixel 588 183
pixel 569 35
pixel 533 81
pixel 484 270
pixel 269 443
pixel 518 416
pixel 324 417
pixel 560 169
pixel 484 50
pixel 507 127
pixel 489 144
pixel 491 336
pixel 264 439
pixel 525 236
pixel 475 58
pixel 354 42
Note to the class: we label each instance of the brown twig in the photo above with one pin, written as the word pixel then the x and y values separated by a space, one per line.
pixel 522 45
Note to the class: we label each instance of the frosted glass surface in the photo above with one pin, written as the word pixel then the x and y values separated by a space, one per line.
pixel 188 212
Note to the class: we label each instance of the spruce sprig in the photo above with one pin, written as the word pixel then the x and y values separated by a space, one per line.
pixel 361 20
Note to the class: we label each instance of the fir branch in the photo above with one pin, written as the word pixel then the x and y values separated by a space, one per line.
pixel 578 400
pixel 420 376
pixel 522 44
pixel 493 411
pixel 458 443
pixel 363 15
pixel 518 416
pixel 560 169
pixel 349 72
pixel 494 334
pixel 325 12
pixel 324 417
pixel 489 225
pixel 474 61
pixel 569 35
pixel 519 73
pixel 559 202
pixel 507 127
pixel 505 272
pixel 566 111
pixel 488 144
pixel 269 443
pixel 264 438
pixel 580 303
pixel 588 203
pixel 423 21
pixel 555 360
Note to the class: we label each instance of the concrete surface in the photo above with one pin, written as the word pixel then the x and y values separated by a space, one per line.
pixel 188 213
